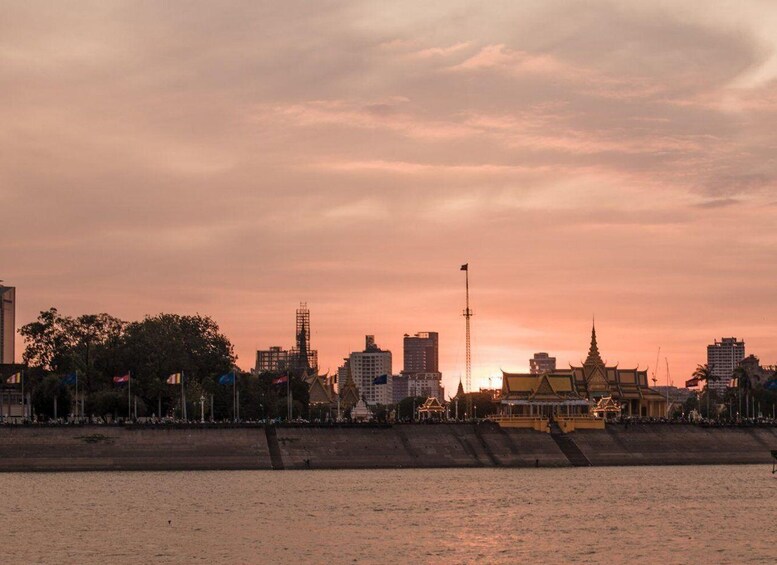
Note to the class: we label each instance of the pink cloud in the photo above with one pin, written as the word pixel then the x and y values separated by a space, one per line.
pixel 514 61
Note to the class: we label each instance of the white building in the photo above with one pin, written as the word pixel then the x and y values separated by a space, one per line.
pixel 368 366
pixel 722 358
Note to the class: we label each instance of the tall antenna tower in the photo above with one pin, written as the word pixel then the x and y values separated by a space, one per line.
pixel 467 316
pixel 303 337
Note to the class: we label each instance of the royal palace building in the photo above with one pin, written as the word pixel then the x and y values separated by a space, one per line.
pixel 579 390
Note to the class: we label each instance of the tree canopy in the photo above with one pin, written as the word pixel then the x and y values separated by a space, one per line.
pixel 99 347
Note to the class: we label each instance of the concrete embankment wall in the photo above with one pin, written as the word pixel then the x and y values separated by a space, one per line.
pixel 421 446
pixel 675 444
pixel 98 448
pixel 78 448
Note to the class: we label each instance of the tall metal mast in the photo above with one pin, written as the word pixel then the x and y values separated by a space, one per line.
pixel 467 316
pixel 303 364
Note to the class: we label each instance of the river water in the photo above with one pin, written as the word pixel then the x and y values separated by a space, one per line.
pixel 710 514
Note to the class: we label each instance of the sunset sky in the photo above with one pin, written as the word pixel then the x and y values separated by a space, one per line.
pixel 602 158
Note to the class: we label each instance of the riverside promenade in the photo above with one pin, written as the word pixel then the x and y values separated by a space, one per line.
pixel 364 446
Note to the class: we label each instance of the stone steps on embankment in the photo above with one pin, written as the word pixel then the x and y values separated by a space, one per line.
pixel 675 444
pixel 514 447
pixel 568 447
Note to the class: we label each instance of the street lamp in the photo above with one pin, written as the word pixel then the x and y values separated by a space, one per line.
pixel 202 409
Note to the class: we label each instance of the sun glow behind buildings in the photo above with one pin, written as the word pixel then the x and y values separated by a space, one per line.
pixel 355 158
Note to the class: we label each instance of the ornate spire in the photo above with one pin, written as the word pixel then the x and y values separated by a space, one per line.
pixel 349 376
pixel 593 353
pixel 460 390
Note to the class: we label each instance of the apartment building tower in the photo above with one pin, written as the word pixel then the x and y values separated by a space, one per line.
pixel 722 358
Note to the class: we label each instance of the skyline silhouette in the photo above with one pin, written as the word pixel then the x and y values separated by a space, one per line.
pixel 582 159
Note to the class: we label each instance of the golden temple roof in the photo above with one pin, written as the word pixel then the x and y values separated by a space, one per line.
pixel 538 387
pixel 594 358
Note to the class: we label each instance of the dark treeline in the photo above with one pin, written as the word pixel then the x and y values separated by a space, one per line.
pixel 99 347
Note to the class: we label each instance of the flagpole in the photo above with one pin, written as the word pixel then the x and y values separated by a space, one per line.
pixel 234 398
pixel 468 314
pixel 183 397
pixel 24 406
pixel 288 395
pixel 76 410
pixel 129 394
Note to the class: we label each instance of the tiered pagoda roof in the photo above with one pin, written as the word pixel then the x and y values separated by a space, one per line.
pixel 520 388
pixel 349 392
pixel 590 381
pixel 320 390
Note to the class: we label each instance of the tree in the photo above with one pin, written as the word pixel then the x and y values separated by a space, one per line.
pixel 96 343
pixel 48 342
pixel 483 404
pixel 158 346
pixel 408 406
pixel 300 394
pixel 744 385
pixel 48 393
pixel 88 344
pixel 106 403
pixel 704 373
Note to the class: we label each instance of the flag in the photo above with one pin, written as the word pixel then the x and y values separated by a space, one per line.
pixel 69 379
pixel 174 379
pixel 280 380
pixel 227 379
pixel 465 267
pixel 693 382
pixel 14 379
pixel 381 380
pixel 122 379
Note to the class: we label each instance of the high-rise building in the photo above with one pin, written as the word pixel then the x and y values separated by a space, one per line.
pixel 542 363
pixel 368 366
pixel 421 353
pixel 273 360
pixel 722 358
pixel 399 387
pixel 421 375
pixel 7 324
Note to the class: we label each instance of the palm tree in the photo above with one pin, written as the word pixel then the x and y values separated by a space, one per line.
pixel 743 384
pixel 704 373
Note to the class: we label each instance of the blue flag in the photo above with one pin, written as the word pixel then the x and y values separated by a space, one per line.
pixel 69 379
pixel 227 379
pixel 381 380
